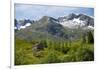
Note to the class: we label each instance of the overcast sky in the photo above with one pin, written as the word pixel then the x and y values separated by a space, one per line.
pixel 35 12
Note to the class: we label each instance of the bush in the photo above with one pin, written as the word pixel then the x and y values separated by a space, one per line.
pixel 79 53
pixel 90 37
pixel 51 57
pixel 84 54
pixel 68 58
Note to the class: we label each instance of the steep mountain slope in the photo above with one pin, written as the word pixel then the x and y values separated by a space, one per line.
pixel 46 26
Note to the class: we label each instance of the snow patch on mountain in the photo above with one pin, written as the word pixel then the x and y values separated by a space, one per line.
pixel 90 27
pixel 23 27
pixel 76 22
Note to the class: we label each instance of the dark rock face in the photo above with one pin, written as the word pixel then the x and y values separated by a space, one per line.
pixel 61 19
pixel 89 20
pixel 38 47
pixel 50 25
pixel 71 16
pixel 52 20
pixel 83 17
pixel 16 24
pixel 27 21
pixel 55 29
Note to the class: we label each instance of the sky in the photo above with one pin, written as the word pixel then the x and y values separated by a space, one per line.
pixel 35 12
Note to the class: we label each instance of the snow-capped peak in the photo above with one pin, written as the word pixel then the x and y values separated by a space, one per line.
pixel 23 26
pixel 79 20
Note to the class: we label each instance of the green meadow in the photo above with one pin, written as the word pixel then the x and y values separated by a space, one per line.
pixel 54 51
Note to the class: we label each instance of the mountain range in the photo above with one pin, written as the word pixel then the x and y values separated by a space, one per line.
pixel 67 27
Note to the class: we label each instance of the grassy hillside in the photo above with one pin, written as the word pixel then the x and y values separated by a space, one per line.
pixel 54 51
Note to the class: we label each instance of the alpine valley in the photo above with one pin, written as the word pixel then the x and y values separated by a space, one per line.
pixel 69 38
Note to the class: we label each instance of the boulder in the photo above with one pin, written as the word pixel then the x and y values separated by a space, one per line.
pixel 38 47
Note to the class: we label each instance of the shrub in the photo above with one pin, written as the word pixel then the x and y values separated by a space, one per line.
pixel 84 54
pixel 51 57
pixel 79 53
pixel 90 37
